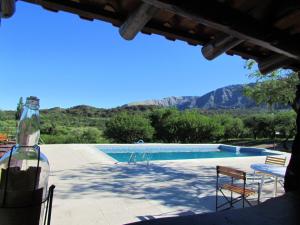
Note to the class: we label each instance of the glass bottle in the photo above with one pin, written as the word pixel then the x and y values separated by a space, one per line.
pixel 25 170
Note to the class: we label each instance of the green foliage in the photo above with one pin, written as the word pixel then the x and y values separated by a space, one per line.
pixel 277 87
pixel 127 125
pixel 260 125
pixel 66 135
pixel 192 127
pixel 129 128
pixel 184 127
pixel 285 124
pixel 281 91
pixel 233 127
pixel 8 127
pixel 160 121
pixel 266 125
pixel 19 109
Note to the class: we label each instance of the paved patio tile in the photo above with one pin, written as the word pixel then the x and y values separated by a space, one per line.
pixel 92 190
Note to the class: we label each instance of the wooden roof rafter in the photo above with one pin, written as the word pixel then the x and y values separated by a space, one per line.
pixel 227 26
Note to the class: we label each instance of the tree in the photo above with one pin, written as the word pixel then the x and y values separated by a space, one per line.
pixel 2 115
pixel 233 127
pixel 19 109
pixel 278 87
pixel 128 128
pixel 285 124
pixel 261 125
pixel 91 135
pixel 159 121
pixel 192 127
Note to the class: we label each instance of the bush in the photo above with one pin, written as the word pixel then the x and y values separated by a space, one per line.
pixel 128 128
pixel 189 127
pixel 261 125
pixel 285 124
pixel 233 127
pixel 73 135
pixel 90 135
pixel 160 121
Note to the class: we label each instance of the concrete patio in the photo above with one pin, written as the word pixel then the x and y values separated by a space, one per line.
pixel 92 189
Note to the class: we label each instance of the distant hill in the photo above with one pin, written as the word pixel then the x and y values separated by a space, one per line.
pixel 226 98
pixel 229 97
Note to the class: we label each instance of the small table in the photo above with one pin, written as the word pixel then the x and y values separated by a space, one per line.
pixel 269 169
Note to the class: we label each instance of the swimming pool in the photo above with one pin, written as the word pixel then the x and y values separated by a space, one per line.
pixel 142 152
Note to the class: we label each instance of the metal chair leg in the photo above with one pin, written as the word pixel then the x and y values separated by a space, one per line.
pixel 51 190
pixel 47 216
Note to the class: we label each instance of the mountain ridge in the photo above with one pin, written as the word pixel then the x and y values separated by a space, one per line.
pixel 228 97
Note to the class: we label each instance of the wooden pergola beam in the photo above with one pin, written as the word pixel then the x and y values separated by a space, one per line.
pixel 274 62
pixel 232 22
pixel 87 12
pixel 219 46
pixel 7 8
pixel 235 25
pixel 137 20
pixel 82 10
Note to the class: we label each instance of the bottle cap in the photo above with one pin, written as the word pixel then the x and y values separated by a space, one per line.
pixel 33 102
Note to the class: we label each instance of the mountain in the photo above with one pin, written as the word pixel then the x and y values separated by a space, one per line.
pixel 229 97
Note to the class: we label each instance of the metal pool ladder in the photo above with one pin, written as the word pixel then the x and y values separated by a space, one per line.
pixel 132 158
pixel 146 157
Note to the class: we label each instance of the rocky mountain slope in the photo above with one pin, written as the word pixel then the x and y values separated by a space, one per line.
pixel 229 97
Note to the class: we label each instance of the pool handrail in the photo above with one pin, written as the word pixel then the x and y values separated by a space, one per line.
pixel 132 158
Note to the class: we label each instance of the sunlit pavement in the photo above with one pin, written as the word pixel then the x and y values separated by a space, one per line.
pixel 92 189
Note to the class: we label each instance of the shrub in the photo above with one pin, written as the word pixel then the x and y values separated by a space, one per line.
pixel 191 127
pixel 128 128
pixel 233 127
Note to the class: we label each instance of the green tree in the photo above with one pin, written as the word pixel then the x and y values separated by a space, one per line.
pixel 19 109
pixel 2 115
pixel 128 128
pixel 233 127
pixel 261 125
pixel 91 135
pixel 159 119
pixel 192 127
pixel 278 87
pixel 285 124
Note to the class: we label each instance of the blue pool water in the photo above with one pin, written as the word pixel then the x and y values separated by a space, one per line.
pixel 157 152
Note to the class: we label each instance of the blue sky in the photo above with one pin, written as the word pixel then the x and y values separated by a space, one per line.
pixel 67 61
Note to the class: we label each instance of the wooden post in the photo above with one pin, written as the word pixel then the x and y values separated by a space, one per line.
pixel 292 176
pixel 137 20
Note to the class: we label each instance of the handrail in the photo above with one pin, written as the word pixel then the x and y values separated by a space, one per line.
pixel 132 158
pixel 146 157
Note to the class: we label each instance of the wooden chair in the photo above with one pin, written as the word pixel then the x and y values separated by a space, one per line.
pixel 234 175
pixel 275 160
pixel 279 161
pixel 272 161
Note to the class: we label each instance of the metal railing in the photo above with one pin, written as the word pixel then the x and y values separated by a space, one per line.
pixel 146 157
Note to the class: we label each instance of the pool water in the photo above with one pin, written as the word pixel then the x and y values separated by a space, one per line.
pixel 142 153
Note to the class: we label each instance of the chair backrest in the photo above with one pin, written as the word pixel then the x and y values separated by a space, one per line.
pixel 275 161
pixel 231 172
